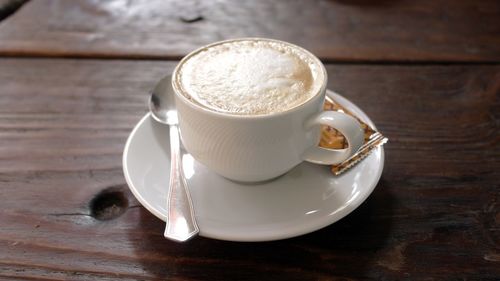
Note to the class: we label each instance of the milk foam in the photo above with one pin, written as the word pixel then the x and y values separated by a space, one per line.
pixel 250 77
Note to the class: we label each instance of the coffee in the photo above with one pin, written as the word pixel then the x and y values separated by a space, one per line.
pixel 251 109
pixel 250 77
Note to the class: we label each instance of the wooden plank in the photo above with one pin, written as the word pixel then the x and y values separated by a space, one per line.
pixel 402 30
pixel 434 214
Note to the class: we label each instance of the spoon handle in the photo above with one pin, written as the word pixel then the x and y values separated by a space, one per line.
pixel 181 224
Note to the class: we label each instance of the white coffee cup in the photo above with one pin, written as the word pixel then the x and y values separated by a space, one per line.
pixel 260 147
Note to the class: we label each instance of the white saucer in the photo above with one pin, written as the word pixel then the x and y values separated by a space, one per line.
pixel 307 198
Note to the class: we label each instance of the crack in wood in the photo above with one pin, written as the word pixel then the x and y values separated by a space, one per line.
pixel 68 214
pixel 83 214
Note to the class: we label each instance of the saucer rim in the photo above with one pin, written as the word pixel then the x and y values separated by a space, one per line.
pixel 319 223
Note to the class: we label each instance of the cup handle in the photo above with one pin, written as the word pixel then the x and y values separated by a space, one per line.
pixel 347 125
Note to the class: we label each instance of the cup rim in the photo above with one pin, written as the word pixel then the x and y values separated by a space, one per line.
pixel 196 106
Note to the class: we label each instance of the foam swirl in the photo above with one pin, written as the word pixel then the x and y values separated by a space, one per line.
pixel 250 77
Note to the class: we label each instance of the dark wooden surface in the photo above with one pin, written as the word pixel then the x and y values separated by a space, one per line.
pixel 67 214
pixel 344 30
pixel 434 214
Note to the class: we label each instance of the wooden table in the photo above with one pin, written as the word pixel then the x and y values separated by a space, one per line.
pixel 74 80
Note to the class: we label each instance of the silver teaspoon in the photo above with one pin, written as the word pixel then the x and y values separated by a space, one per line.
pixel 181 224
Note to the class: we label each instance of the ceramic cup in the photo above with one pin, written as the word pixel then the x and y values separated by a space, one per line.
pixel 252 148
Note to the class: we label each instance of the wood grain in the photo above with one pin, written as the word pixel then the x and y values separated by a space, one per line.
pixel 434 215
pixel 335 30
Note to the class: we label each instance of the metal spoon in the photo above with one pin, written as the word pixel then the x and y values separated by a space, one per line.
pixel 181 224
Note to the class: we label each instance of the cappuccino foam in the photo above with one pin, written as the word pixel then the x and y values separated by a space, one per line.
pixel 250 77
